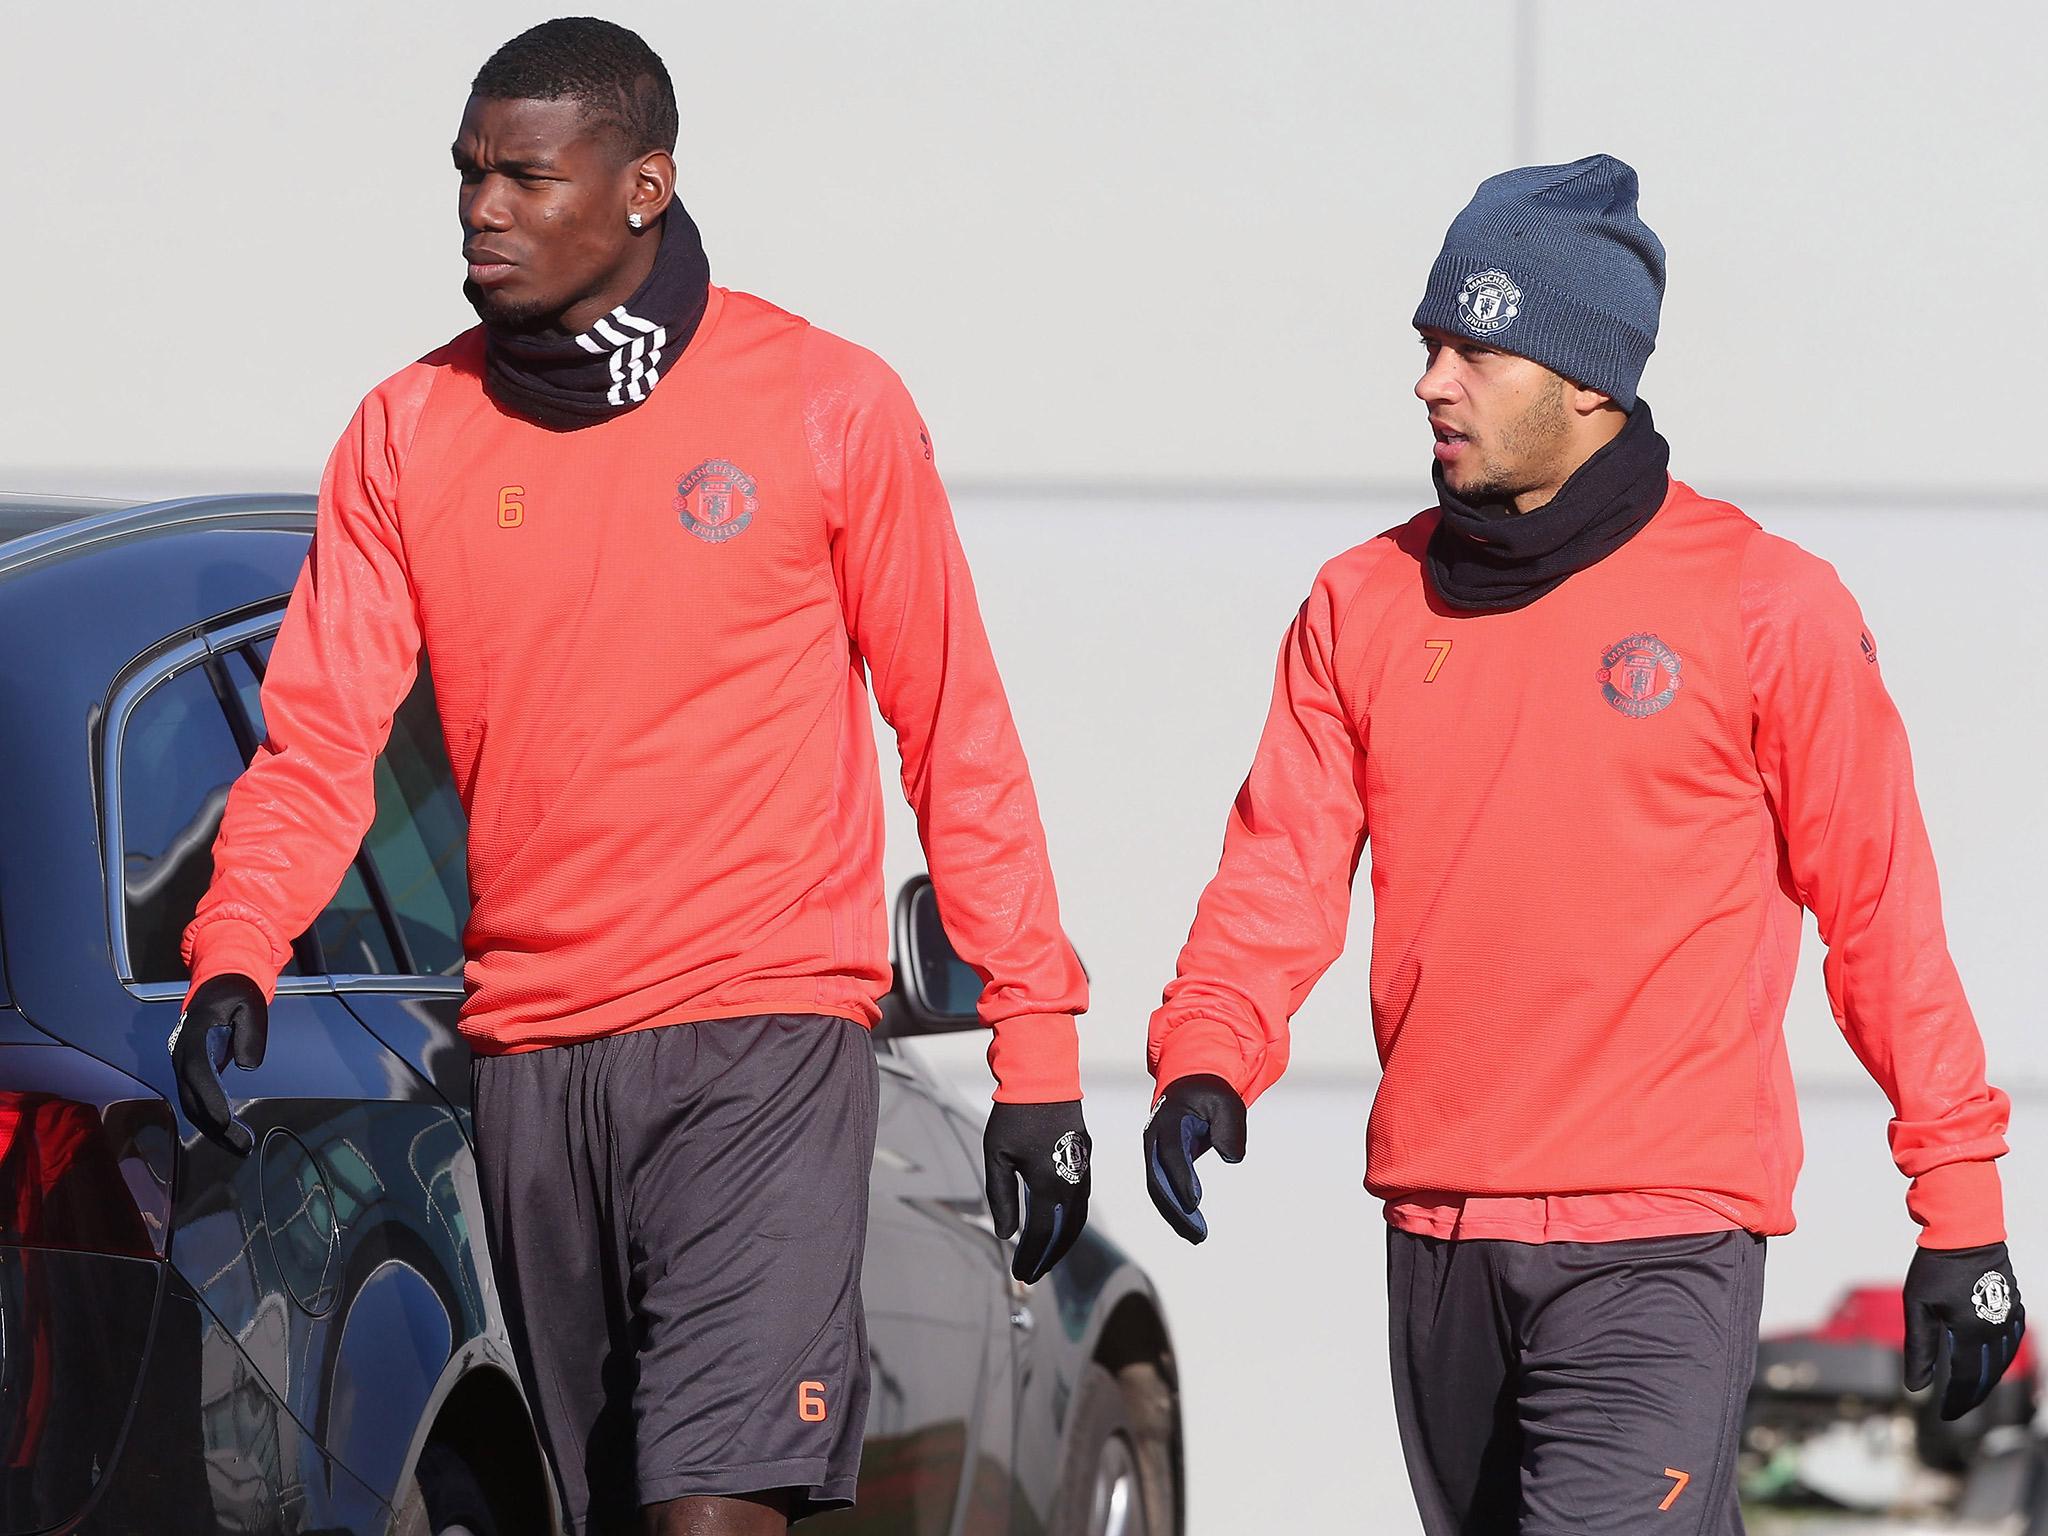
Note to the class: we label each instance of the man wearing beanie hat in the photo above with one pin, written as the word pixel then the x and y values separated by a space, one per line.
pixel 1607 737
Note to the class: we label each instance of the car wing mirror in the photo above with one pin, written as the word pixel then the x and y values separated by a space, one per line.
pixel 934 991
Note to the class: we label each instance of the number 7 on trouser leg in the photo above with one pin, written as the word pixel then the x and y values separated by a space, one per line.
pixel 1635 1363
pixel 1679 1480
pixel 1574 1389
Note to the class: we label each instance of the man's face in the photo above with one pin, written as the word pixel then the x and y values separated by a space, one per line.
pixel 543 205
pixel 1502 423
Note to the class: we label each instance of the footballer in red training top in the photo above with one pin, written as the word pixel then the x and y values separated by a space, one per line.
pixel 658 538
pixel 1606 737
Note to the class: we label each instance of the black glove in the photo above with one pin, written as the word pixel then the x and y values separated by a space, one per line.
pixel 1192 1115
pixel 1964 1322
pixel 1047 1146
pixel 227 1019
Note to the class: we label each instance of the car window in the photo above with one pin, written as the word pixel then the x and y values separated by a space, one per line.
pixel 414 860
pixel 419 844
pixel 178 757
pixel 351 931
pixel 400 908
pixel 353 940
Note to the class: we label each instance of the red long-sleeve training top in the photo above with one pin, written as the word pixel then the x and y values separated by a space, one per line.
pixel 651 641
pixel 1594 821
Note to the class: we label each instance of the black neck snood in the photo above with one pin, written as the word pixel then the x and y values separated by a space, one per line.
pixel 566 382
pixel 1484 556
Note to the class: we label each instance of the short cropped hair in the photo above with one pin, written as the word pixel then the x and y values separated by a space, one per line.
pixel 619 82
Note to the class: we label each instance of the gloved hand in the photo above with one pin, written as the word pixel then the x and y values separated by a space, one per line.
pixel 1047 1146
pixel 227 1018
pixel 1192 1115
pixel 1963 1323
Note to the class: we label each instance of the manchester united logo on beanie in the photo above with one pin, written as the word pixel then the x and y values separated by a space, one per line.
pixel 1489 302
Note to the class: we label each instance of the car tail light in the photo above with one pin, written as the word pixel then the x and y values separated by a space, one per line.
pixel 1868 1314
pixel 85 1155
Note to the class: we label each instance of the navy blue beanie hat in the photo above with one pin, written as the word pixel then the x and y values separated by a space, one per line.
pixel 1553 263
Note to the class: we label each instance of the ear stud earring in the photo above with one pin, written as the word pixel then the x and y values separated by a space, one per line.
pixel 633 219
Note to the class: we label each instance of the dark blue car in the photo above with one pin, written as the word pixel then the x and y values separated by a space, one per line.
pixel 309 1339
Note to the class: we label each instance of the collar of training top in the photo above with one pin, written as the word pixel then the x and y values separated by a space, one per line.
pixel 1480 556
pixel 566 382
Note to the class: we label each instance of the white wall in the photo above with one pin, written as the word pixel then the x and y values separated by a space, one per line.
pixel 1134 242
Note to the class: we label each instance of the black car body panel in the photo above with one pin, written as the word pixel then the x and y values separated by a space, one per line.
pixel 205 1343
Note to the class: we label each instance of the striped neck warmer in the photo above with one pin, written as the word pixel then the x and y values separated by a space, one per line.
pixel 566 382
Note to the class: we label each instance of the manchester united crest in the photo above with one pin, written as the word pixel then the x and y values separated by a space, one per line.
pixel 1070 1157
pixel 1992 1297
pixel 1489 302
pixel 1639 675
pixel 716 500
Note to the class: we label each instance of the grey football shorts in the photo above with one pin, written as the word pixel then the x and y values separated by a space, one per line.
pixel 1574 1389
pixel 677 1217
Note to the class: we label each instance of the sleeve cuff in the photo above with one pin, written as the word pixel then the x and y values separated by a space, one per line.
pixel 1203 1045
pixel 230 946
pixel 1958 1205
pixel 1036 1059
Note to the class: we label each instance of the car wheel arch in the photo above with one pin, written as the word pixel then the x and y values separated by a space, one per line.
pixel 478 1410
pixel 1135 1348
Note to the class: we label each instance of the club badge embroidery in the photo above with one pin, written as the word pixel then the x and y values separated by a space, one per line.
pixel 1639 675
pixel 1992 1297
pixel 1070 1157
pixel 716 500
pixel 1489 302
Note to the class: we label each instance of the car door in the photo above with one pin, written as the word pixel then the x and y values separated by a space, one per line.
pixel 345 1191
pixel 391 946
